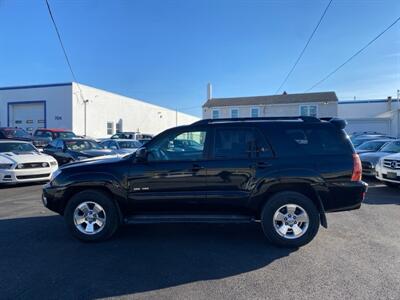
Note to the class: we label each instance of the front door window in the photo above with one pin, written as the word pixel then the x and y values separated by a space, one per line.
pixel 182 146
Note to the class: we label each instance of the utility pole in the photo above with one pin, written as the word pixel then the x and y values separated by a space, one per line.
pixel 85 102
pixel 176 117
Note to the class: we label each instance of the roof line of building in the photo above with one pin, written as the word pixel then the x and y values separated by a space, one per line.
pixel 34 86
pixel 364 101
pixel 263 96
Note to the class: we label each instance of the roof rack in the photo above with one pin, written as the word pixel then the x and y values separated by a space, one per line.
pixel 298 118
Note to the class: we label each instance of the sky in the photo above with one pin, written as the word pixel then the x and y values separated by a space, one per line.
pixel 166 51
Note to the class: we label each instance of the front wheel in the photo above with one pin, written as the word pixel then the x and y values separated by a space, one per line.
pixel 290 219
pixel 91 216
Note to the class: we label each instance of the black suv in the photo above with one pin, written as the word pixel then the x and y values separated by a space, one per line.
pixel 285 173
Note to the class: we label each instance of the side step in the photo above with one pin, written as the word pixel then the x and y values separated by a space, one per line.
pixel 186 218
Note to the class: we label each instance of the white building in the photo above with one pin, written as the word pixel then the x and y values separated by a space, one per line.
pixel 380 115
pixel 83 109
pixel 324 104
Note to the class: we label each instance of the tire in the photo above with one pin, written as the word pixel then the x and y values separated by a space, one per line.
pixel 278 207
pixel 104 213
pixel 391 184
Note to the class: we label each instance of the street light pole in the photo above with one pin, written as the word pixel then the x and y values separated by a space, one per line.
pixel 85 102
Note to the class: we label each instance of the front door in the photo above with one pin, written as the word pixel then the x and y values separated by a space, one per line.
pixel 173 179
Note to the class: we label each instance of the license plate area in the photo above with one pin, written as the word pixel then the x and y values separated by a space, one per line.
pixel 391 175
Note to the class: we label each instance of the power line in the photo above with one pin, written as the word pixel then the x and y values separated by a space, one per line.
pixel 63 48
pixel 354 55
pixel 305 47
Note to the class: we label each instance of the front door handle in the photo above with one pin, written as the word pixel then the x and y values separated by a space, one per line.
pixel 262 165
pixel 196 168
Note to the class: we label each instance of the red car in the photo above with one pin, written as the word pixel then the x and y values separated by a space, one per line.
pixel 43 136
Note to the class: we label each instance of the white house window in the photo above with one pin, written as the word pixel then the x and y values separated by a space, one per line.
pixel 308 110
pixel 255 112
pixel 234 113
pixel 110 128
pixel 215 113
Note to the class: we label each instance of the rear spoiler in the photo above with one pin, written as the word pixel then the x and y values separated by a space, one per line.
pixel 339 123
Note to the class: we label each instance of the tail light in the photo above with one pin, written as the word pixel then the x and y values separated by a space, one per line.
pixel 357 168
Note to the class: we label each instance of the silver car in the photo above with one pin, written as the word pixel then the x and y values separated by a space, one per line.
pixel 121 146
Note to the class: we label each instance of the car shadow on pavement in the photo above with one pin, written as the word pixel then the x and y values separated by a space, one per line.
pixel 40 259
pixel 381 195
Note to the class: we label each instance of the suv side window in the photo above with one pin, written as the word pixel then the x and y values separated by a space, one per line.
pixel 316 141
pixel 240 143
pixel 179 146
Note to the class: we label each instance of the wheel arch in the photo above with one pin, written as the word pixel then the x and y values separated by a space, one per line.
pixel 305 188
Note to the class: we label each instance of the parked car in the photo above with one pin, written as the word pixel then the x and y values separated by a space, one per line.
pixel 121 146
pixel 372 146
pixel 21 162
pixel 388 170
pixel 12 133
pixel 68 150
pixel 285 173
pixel 43 136
pixel 370 160
pixel 132 136
pixel 359 140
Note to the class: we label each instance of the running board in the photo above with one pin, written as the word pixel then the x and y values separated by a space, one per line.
pixel 186 218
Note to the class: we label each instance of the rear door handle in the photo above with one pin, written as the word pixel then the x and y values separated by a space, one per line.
pixel 197 167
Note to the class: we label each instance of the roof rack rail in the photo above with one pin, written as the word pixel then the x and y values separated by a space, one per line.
pixel 301 118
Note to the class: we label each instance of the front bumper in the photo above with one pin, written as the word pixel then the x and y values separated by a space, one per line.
pixel 13 176
pixel 382 174
pixel 53 198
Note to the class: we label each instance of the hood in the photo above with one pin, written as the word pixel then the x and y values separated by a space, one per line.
pixel 95 152
pixel 373 157
pixel 24 157
pixel 99 160
pixel 395 156
pixel 364 151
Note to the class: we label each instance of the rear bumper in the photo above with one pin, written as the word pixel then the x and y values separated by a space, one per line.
pixel 346 196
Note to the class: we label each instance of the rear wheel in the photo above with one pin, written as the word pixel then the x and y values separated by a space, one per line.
pixel 91 216
pixel 290 219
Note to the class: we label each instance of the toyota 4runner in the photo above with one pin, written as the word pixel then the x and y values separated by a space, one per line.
pixel 284 173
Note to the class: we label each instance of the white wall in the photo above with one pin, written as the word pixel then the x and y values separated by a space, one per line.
pixel 371 115
pixel 106 107
pixel 274 110
pixel 361 109
pixel 58 108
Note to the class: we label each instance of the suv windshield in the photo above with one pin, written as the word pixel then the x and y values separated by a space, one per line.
pixel 393 147
pixel 16 147
pixel 65 134
pixel 81 145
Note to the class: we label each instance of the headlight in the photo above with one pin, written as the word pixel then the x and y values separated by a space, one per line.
pixel 55 174
pixel 53 163
pixel 5 166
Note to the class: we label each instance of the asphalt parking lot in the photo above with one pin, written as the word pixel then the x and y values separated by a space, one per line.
pixel 358 257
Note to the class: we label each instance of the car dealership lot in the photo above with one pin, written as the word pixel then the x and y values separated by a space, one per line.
pixel 357 257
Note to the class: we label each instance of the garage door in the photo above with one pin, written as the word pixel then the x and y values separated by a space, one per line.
pixel 381 125
pixel 27 115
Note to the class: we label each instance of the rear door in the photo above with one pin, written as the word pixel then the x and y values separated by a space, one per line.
pixel 238 156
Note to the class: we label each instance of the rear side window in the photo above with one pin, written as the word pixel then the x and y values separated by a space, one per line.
pixel 239 143
pixel 317 141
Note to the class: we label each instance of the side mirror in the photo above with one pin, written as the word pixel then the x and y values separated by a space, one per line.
pixel 141 154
